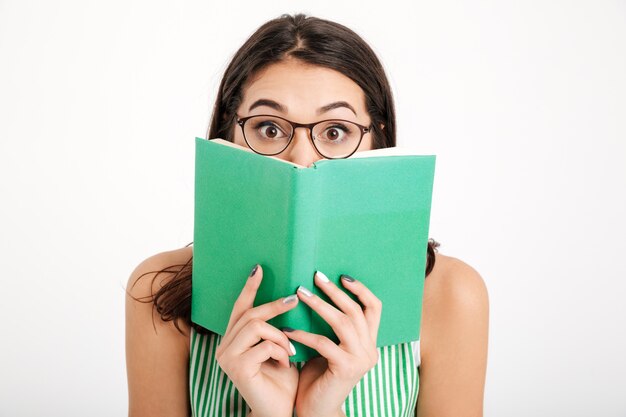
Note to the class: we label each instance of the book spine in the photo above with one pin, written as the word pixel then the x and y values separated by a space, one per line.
pixel 303 227
pixel 302 217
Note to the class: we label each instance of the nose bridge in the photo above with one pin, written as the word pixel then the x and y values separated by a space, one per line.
pixel 301 149
pixel 308 129
pixel 304 136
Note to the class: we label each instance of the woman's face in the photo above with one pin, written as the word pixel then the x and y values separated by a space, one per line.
pixel 299 92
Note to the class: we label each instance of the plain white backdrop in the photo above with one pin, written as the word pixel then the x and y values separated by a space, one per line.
pixel 524 104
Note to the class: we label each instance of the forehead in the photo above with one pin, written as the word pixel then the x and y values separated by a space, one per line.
pixel 300 86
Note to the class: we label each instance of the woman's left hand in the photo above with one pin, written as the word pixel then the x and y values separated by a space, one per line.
pixel 326 381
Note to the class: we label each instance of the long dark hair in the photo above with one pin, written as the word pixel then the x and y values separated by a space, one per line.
pixel 313 41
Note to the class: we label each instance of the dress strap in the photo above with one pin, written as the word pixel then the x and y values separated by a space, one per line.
pixel 416 353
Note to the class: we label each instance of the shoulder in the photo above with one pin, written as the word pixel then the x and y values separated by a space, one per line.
pixel 455 285
pixel 147 278
pixel 157 354
pixel 161 261
pixel 453 340
pixel 156 270
pixel 455 303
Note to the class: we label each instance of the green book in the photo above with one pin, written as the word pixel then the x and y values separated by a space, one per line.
pixel 366 216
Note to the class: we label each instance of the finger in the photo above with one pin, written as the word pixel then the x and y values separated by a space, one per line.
pixel 262 352
pixel 246 296
pixel 323 345
pixel 372 306
pixel 263 312
pixel 346 304
pixel 255 331
pixel 341 324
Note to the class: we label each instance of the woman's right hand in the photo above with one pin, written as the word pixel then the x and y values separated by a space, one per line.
pixel 268 386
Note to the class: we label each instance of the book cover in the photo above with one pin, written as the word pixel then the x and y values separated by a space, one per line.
pixel 366 216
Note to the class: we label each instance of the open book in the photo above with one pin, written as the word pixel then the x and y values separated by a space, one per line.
pixel 366 216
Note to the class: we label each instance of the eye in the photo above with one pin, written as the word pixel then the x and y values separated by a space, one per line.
pixel 336 132
pixel 269 129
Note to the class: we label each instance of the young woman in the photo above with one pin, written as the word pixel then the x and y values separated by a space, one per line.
pixel 297 70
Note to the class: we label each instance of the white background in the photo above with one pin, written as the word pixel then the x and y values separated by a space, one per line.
pixel 524 104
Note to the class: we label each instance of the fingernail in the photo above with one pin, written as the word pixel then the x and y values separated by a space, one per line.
pixel 347 278
pixel 322 276
pixel 253 270
pixel 286 329
pixel 293 348
pixel 305 291
pixel 290 299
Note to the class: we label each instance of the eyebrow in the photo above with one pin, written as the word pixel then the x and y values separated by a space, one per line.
pixel 283 109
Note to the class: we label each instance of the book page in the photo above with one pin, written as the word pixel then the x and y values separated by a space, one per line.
pixel 234 145
pixel 394 151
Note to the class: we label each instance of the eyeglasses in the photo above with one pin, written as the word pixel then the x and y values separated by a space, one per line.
pixel 333 139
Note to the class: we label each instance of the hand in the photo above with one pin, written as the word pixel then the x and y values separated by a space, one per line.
pixel 260 371
pixel 325 382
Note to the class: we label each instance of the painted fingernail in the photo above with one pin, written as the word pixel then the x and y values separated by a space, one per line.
pixel 348 278
pixel 322 276
pixel 290 299
pixel 253 270
pixel 305 291
pixel 293 348
pixel 286 329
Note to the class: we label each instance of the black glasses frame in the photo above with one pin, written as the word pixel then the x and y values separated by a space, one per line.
pixel 363 129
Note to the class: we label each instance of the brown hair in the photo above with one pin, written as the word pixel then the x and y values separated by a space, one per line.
pixel 311 40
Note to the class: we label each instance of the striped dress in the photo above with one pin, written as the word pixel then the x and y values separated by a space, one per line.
pixel 387 390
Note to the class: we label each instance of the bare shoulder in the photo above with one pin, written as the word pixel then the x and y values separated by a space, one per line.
pixel 157 353
pixel 161 261
pixel 147 278
pixel 453 340
pixel 165 262
pixel 453 284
